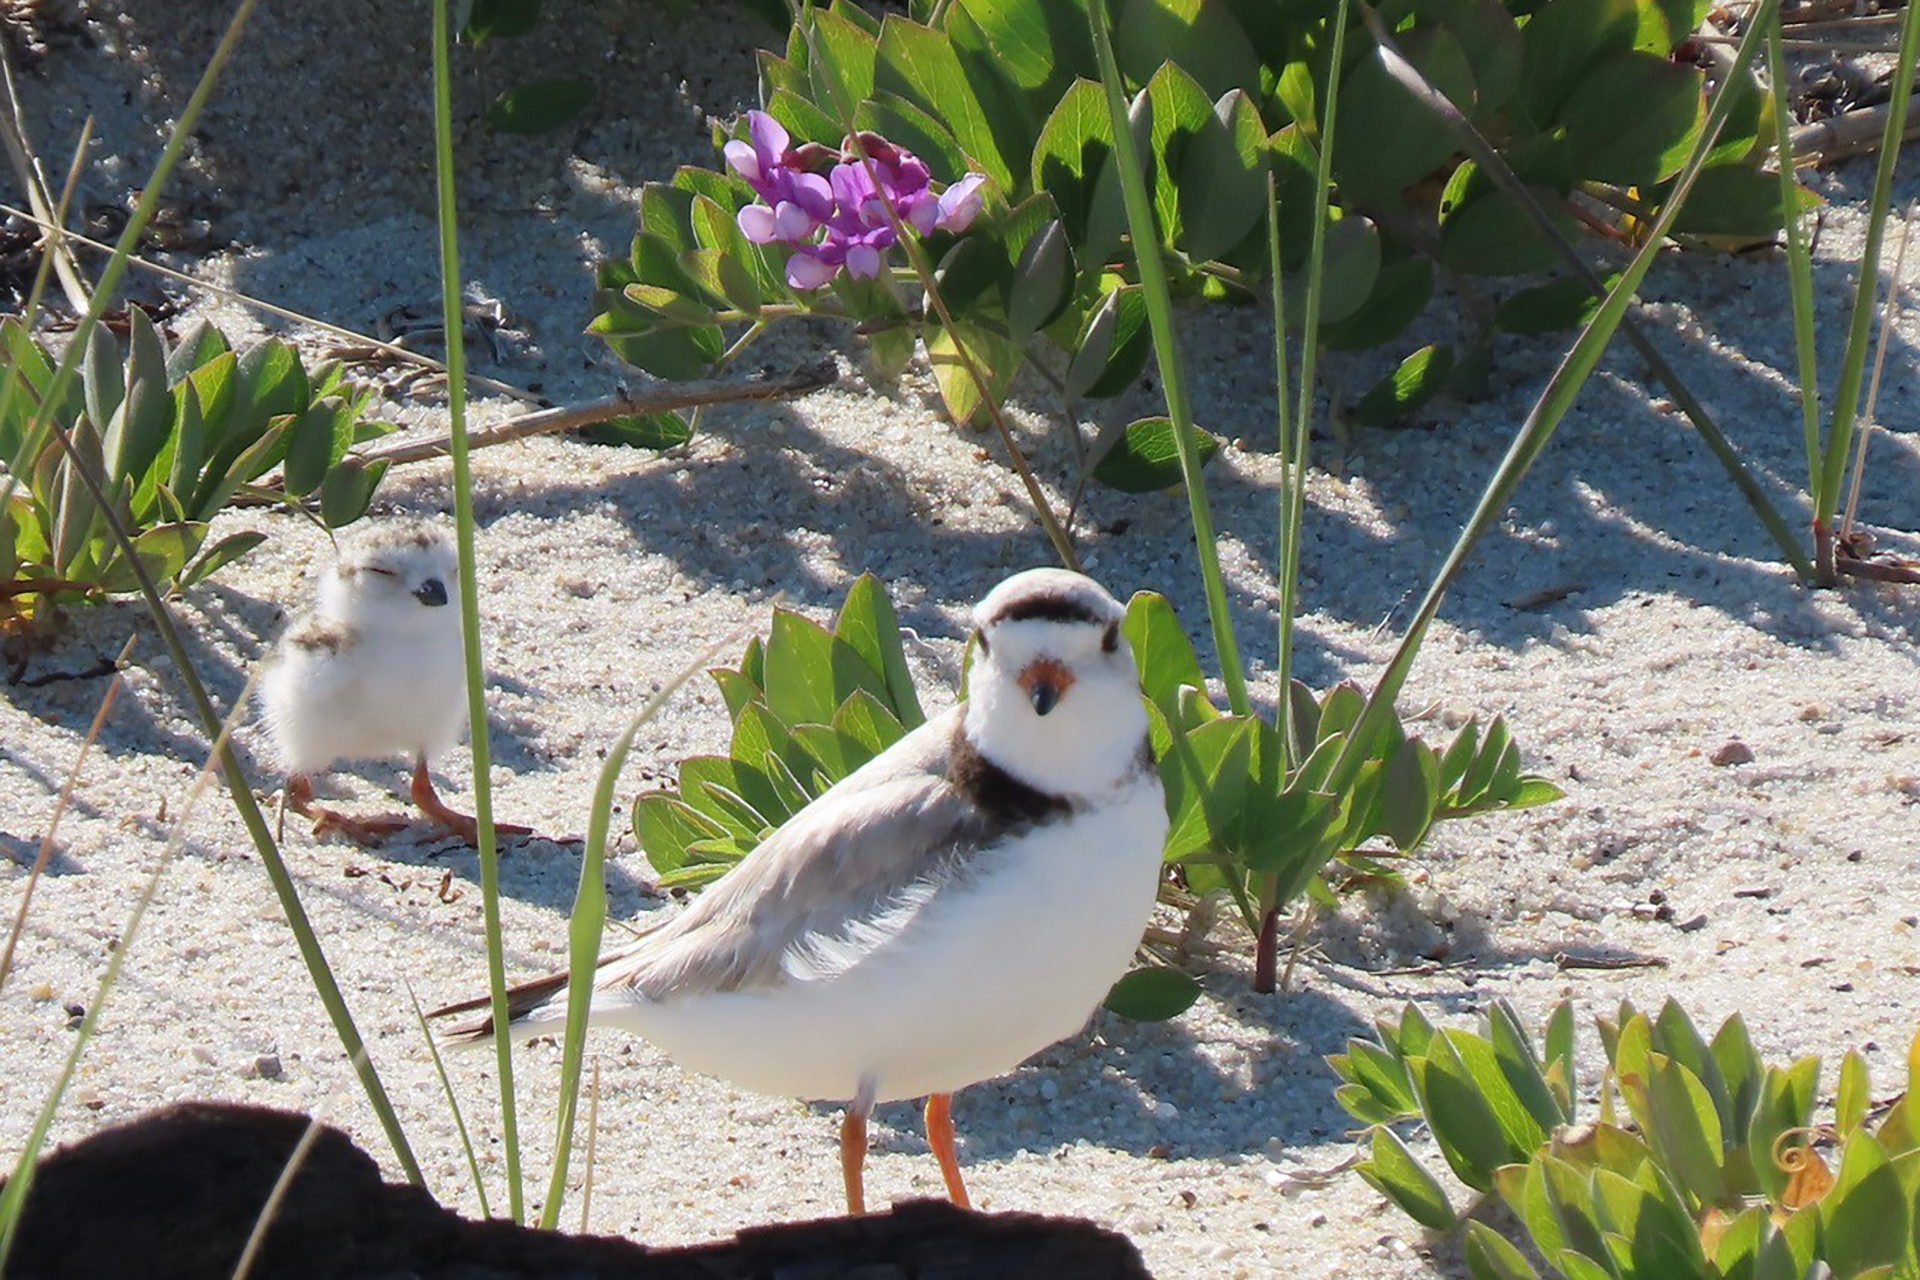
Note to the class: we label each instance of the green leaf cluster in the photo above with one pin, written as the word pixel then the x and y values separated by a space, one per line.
pixel 177 432
pixel 810 704
pixel 1250 801
pixel 1701 1162
pixel 1584 99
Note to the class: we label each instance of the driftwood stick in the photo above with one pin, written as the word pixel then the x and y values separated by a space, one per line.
pixel 1878 570
pixel 1847 134
pixel 655 399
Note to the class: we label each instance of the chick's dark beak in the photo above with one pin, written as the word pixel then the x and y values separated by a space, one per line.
pixel 1044 696
pixel 432 593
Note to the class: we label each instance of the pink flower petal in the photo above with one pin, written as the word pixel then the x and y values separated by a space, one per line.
pixel 864 261
pixel 805 271
pixel 759 224
pixel 960 203
pixel 743 159
pixel 791 222
pixel 769 138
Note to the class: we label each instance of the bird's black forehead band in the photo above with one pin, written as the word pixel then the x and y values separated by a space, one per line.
pixel 1049 607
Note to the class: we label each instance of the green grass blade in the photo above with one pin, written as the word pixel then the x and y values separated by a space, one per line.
pixel 1494 164
pixel 451 313
pixel 1799 258
pixel 453 1104
pixel 587 923
pixel 1853 362
pixel 17 465
pixel 1545 416
pixel 1153 286
pixel 1291 456
pixel 13 1196
pixel 257 1237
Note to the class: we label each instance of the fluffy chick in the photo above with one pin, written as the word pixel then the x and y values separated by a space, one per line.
pixel 375 670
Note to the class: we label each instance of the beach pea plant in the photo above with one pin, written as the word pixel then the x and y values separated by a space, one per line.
pixel 176 433
pixel 1699 1161
pixel 1586 100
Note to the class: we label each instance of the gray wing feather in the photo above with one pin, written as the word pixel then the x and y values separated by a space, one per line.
pixel 834 878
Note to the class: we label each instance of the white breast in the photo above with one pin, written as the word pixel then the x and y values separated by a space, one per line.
pixel 990 971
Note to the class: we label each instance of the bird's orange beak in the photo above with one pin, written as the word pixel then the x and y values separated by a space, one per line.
pixel 1045 681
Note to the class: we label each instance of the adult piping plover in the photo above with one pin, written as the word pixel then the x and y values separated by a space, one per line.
pixel 375 670
pixel 948 910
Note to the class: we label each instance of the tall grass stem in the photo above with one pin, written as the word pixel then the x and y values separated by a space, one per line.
pixel 478 746
pixel 1166 348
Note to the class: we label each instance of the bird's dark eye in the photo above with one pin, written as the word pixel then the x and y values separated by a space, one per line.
pixel 1110 642
pixel 432 593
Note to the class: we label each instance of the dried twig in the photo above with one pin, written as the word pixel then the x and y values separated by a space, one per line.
pixel 1588 960
pixel 1847 134
pixel 26 167
pixel 656 399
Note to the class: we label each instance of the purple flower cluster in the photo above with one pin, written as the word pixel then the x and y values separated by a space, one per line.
pixel 840 220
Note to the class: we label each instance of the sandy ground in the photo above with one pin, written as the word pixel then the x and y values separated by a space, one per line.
pixel 1791 880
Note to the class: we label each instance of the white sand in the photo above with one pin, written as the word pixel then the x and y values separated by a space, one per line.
pixel 605 571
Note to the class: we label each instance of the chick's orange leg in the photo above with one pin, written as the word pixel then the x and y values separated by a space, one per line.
pixel 940 1138
pixel 853 1159
pixel 371 830
pixel 460 824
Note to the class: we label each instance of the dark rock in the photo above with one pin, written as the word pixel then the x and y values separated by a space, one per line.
pixel 174 1195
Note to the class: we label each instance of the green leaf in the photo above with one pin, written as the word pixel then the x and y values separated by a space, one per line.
pixel 666 430
pixel 1072 150
pixel 1221 179
pixel 845 51
pixel 1147 458
pixel 220 555
pixel 1853 1098
pixel 347 491
pixel 1866 1217
pixel 1737 200
pixel 1685 1129
pixel 1200 36
pixel 1112 349
pixel 906 125
pixel 665 825
pixel 1161 650
pixel 1351 268
pixel 1566 303
pixel 1562 40
pixel 993 357
pixel 920 65
pixel 1484 231
pixel 310 446
pixel 103 377
pixel 1037 47
pixel 1633 118
pixel 800 670
pixel 1400 293
pixel 1153 994
pixel 1491 1257
pixel 164 550
pixel 539 106
pixel 1409 795
pixel 1464 1126
pixel 1420 377
pixel 1042 283
pixel 1394 1173
pixel 1521 1068
pixel 1786 1102
pixel 1387 138
pixel 868 625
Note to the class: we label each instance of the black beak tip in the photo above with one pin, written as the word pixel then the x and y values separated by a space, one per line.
pixel 432 593
pixel 1044 697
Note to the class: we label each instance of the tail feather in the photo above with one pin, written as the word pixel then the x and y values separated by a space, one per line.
pixel 522 1002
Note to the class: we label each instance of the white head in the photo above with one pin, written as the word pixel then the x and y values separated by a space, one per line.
pixel 1053 696
pixel 397 576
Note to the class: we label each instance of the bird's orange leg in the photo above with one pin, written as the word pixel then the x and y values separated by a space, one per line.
pixel 940 1138
pixel 460 824
pixel 853 1158
pixel 367 831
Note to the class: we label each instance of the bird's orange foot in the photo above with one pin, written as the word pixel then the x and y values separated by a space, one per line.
pixel 374 830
